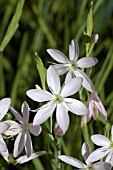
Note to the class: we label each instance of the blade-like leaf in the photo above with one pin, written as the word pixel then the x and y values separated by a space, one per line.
pixel 42 71
pixel 89 26
pixel 13 25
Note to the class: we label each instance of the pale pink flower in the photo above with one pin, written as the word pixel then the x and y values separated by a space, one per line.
pixel 72 66
pixel 58 98
pixel 94 106
pixel 105 150
pixel 24 129
pixel 88 166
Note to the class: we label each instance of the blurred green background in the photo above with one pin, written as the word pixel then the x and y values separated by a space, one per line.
pixel 53 24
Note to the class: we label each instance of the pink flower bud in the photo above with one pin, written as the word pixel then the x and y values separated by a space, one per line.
pixel 58 131
pixel 94 38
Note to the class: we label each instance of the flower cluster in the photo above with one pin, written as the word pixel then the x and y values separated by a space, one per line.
pixel 58 100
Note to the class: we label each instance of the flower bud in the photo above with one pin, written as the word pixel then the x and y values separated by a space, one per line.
pixel 94 38
pixel 58 131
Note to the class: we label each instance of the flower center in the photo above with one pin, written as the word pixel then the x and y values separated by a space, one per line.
pixel 58 99
pixel 73 65
pixel 90 168
pixel 26 126
pixel 111 145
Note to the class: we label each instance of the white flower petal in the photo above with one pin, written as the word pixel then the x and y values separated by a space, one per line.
pixel 57 55
pixel 71 87
pixel 71 161
pixel 5 155
pixel 4 106
pixel 87 83
pixel 3 127
pixel 3 147
pixel 86 62
pixel 62 117
pixel 109 158
pixel 69 76
pixel 100 140
pixel 16 114
pixel 35 130
pixel 23 159
pixel 98 154
pixel 101 109
pixel 14 128
pixel 19 144
pixel 25 111
pixel 44 113
pixel 39 95
pixel 85 150
pixel 76 106
pixel 28 145
pixel 61 68
pixel 112 133
pixel 53 80
pixel 102 166
pixel 73 50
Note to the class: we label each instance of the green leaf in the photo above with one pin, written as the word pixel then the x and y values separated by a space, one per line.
pixel 42 71
pixel 89 26
pixel 13 25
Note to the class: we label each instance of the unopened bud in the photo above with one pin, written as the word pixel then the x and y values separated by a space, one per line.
pixel 58 131
pixel 94 38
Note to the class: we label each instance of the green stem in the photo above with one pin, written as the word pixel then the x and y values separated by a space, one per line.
pixel 90 49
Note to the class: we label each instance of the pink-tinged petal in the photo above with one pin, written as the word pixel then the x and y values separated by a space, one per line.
pixel 109 158
pixel 98 154
pixel 102 166
pixel 28 145
pixel 100 140
pixel 90 111
pixel 71 87
pixel 86 62
pixel 85 150
pixel 53 80
pixel 25 111
pixel 62 117
pixel 4 106
pixel 69 76
pixel 44 113
pixel 19 144
pixel 61 68
pixel 73 50
pixel 39 95
pixel 76 106
pixel 16 114
pixel 3 147
pixel 3 127
pixel 101 109
pixel 14 128
pixel 87 83
pixel 94 96
pixel 23 159
pixel 35 130
pixel 57 55
pixel 71 161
